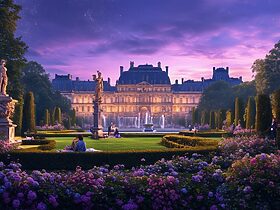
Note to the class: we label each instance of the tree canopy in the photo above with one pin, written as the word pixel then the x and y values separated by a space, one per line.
pixel 217 96
pixel 12 48
pixel 267 71
pixel 36 80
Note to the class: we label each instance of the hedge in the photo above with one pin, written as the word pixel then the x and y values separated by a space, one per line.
pixel 213 134
pixel 43 144
pixel 188 142
pixel 87 160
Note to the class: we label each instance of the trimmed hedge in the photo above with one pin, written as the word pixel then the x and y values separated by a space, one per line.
pixel 44 144
pixel 87 160
pixel 210 134
pixel 188 142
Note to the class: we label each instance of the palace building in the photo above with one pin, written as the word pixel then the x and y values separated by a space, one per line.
pixel 142 94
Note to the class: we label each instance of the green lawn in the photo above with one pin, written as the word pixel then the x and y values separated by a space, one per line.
pixel 114 144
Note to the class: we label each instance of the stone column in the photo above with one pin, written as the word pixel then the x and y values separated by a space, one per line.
pixel 7 128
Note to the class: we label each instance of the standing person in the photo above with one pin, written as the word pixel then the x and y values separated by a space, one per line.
pixel 81 145
pixel 3 78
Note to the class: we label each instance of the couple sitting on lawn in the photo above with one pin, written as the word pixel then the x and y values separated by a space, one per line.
pixel 78 144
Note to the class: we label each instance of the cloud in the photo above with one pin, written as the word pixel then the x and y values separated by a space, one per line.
pixel 71 33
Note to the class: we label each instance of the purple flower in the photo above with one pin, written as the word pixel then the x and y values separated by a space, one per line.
pixel 214 207
pixel 130 206
pixel 41 206
pixel 184 190
pixel 210 194
pixel 31 195
pixel 197 178
pixel 247 189
pixel 16 203
pixel 53 201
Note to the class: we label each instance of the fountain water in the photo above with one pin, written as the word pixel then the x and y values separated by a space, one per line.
pixel 162 121
pixel 104 121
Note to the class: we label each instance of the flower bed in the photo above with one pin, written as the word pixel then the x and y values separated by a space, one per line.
pixel 212 133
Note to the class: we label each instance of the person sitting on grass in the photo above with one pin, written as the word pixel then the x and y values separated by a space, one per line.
pixel 81 145
pixel 116 133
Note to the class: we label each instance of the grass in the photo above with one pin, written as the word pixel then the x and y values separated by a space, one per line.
pixel 114 144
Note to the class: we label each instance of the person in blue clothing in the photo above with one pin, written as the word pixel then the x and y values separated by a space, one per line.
pixel 80 145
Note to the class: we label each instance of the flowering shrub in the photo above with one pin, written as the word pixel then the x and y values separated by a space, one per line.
pixel 56 127
pixel 243 131
pixel 253 182
pixel 181 183
pixel 236 148
pixel 6 147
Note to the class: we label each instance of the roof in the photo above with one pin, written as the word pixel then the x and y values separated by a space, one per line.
pixel 63 84
pixel 144 73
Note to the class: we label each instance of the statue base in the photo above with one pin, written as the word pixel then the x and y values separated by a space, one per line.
pixel 7 128
pixel 97 132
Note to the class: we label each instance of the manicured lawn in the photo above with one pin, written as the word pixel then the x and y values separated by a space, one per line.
pixel 113 144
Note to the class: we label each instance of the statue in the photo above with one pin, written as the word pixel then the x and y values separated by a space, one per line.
pixel 97 130
pixel 3 78
pixel 98 87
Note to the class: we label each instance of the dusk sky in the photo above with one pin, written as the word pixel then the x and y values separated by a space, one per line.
pixel 190 36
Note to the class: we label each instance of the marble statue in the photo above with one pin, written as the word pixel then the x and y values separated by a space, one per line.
pixel 98 87
pixel 3 78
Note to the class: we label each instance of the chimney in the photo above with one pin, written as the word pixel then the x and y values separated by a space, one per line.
pixel 182 80
pixel 131 64
pixel 121 70
pixel 214 69
pixel 227 68
pixel 176 82
pixel 159 65
pixel 166 69
pixel 240 78
pixel 56 76
pixel 77 79
pixel 109 80
pixel 202 79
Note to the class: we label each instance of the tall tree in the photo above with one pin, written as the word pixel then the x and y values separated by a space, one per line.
pixel 47 117
pixel 18 115
pixel 276 108
pixel 217 96
pixel 212 120
pixel 238 112
pixel 73 117
pixel 229 118
pixel 28 123
pixel 57 115
pixel 11 48
pixel 263 113
pixel 36 79
pixel 267 71
pixel 250 113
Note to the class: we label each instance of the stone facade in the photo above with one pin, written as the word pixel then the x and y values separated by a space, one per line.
pixel 143 94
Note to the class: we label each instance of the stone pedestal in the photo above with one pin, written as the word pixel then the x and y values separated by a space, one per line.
pixel 97 129
pixel 7 128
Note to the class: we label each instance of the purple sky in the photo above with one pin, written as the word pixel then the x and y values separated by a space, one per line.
pixel 190 36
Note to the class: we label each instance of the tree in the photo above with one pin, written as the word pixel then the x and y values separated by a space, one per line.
pixel 238 112
pixel 267 71
pixel 36 79
pixel 73 117
pixel 195 116
pixel 11 48
pixel 57 115
pixel 217 96
pixel 204 117
pixel 263 113
pixel 229 118
pixel 250 113
pixel 212 120
pixel 47 117
pixel 28 123
pixel 17 119
pixel 245 90
pixel 276 108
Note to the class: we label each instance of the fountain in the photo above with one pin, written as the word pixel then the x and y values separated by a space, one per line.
pixel 148 126
pixel 162 121
pixel 104 121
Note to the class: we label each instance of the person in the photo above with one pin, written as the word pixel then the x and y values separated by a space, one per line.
pixel 73 144
pixel 116 133
pixel 273 129
pixel 3 78
pixel 110 129
pixel 81 145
